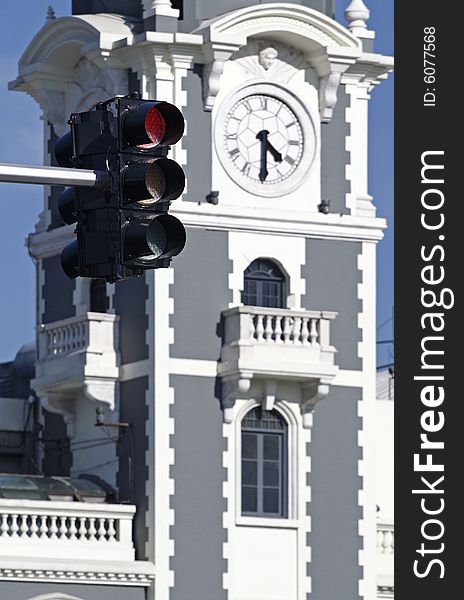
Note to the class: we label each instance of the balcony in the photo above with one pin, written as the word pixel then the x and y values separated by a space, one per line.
pixel 385 559
pixel 79 354
pixel 275 344
pixel 72 541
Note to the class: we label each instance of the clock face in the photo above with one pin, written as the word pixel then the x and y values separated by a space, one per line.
pixel 263 140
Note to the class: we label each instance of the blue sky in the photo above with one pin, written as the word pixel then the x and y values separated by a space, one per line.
pixel 21 142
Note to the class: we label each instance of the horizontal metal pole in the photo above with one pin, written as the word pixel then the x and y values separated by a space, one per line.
pixel 52 175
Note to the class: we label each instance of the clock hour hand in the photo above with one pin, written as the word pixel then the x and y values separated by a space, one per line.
pixel 275 153
pixel 262 137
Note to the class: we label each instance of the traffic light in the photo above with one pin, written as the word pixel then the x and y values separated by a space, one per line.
pixel 123 225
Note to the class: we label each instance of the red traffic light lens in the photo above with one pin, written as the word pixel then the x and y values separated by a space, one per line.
pixel 155 128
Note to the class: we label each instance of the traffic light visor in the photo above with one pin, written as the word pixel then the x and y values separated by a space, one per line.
pixel 149 125
pixel 149 181
pixel 69 260
pixel 146 240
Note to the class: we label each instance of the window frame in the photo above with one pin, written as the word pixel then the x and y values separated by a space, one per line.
pixel 284 486
pixel 279 279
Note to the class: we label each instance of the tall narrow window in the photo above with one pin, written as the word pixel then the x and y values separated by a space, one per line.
pixel 264 464
pixel 264 285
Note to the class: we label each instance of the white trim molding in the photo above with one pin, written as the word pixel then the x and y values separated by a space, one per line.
pixel 326 45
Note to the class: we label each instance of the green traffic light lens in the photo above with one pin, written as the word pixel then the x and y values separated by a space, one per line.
pixel 156 239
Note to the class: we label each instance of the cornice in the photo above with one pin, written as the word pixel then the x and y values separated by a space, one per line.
pixel 137 573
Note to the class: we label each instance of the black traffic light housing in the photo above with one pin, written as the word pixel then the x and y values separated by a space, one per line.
pixel 123 225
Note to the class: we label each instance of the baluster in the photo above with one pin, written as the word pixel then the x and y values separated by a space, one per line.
pixel 296 330
pixel 314 334
pixel 387 542
pixel 287 329
pixel 4 525
pixel 24 527
pixel 85 336
pixel 101 533
pixel 72 530
pixel 63 529
pixel 43 527
pixel 92 531
pixel 268 331
pixel 14 526
pixel 111 530
pixel 259 328
pixel 33 528
pixel 82 531
pixel 251 324
pixel 59 341
pixel 278 330
pixel 49 343
pixel 304 331
pixel 53 529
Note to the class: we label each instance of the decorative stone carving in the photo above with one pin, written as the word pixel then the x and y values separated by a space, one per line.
pixel 311 394
pixel 50 15
pixel 270 391
pixel 263 58
pixel 330 64
pixel 267 56
pixel 52 104
pixel 98 84
pixel 211 80
pixel 356 14
pixel 233 388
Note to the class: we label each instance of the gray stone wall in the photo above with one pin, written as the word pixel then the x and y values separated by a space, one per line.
pixel 200 292
pixel 332 278
pixel 198 502
pixel 334 506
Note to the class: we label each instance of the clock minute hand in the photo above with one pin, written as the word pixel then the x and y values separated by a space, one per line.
pixel 262 137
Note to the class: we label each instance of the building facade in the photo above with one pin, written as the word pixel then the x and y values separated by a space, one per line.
pixel 229 399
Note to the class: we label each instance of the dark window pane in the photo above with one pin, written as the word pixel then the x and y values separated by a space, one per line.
pixel 271 500
pixel 271 473
pixel 250 472
pixel 249 499
pixel 271 447
pixel 249 445
pixel 263 285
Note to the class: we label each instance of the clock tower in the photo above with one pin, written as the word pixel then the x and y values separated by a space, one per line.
pixel 246 372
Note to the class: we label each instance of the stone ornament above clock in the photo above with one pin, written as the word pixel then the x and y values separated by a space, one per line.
pixel 265 139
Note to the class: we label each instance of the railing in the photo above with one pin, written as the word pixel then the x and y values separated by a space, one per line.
pixel 61 338
pixel 66 530
pixel 278 326
pixel 385 539
pixel 385 560
pixel 277 343
pixel 272 328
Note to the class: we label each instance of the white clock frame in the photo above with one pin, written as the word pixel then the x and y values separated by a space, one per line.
pixel 310 140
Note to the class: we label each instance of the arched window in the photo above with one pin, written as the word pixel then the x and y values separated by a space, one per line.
pixel 264 464
pixel 264 285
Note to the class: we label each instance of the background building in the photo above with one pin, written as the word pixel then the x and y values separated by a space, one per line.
pixel 224 407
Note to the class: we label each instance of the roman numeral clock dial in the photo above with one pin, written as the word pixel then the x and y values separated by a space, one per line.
pixel 263 140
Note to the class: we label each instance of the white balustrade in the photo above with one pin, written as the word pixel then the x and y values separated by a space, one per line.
pixel 61 338
pixel 385 539
pixel 66 530
pixel 287 330
pixel 385 555
pixel 285 342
